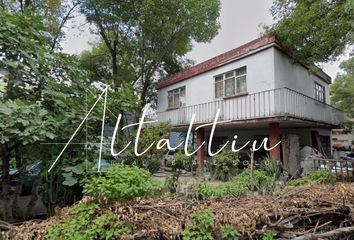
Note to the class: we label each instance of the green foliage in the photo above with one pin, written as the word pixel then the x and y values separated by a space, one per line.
pixel 298 182
pixel 122 183
pixel 171 183
pixel 179 161
pixel 322 176
pixel 262 181
pixel 25 122
pixel 154 134
pixel 201 227
pixel 230 233
pixel 240 185
pixel 206 190
pixel 342 91
pixel 85 222
pixel 153 165
pixel 270 167
pixel 315 30
pixel 224 162
pixel 317 177
pixel 269 235
pixel 146 39
pixel 74 174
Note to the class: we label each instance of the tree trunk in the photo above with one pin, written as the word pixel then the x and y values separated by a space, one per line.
pixel 34 195
pixel 21 166
pixel 114 64
pixel 6 182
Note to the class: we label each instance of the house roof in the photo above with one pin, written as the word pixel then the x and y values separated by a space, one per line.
pixel 232 55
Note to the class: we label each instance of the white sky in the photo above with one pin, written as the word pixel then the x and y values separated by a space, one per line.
pixel 241 21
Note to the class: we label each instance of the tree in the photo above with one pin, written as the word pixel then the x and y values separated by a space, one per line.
pixel 55 14
pixel 42 93
pixel 148 35
pixel 315 31
pixel 342 91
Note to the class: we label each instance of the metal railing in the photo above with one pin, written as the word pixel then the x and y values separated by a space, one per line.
pixel 343 169
pixel 270 103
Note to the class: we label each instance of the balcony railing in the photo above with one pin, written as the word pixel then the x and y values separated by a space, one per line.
pixel 270 103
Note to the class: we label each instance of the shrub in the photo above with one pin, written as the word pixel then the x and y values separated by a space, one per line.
pixel 262 181
pixel 206 190
pixel 122 183
pixel 171 183
pixel 83 223
pixel 321 176
pixel 153 165
pixel 269 235
pixel 230 233
pixel 201 227
pixel 179 161
pixel 239 186
pixel 224 162
pixel 270 167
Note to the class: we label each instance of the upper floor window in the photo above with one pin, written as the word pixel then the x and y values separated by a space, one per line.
pixel 231 83
pixel 177 97
pixel 319 92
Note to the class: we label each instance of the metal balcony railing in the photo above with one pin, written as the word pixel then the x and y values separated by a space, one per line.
pixel 270 103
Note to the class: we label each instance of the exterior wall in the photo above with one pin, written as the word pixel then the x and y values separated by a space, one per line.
pixel 200 89
pixel 296 77
pixel 276 86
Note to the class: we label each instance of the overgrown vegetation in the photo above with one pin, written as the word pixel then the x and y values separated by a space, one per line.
pixel 225 162
pixel 201 226
pixel 177 163
pixel 321 176
pixel 122 183
pixel 85 221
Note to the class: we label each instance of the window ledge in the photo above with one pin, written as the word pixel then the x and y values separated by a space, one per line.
pixel 236 95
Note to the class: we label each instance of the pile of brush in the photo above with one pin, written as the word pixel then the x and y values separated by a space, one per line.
pixel 304 212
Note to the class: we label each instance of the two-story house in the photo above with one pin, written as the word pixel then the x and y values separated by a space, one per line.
pixel 261 91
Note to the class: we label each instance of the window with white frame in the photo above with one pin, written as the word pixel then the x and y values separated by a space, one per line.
pixel 320 92
pixel 231 83
pixel 177 97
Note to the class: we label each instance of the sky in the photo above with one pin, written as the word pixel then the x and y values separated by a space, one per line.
pixel 241 21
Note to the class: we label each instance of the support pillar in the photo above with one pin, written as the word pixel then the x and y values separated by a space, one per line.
pixel 274 134
pixel 201 151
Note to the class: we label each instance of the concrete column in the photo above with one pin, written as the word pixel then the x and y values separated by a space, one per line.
pixel 273 140
pixel 200 152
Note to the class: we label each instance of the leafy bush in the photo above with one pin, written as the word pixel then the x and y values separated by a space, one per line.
pixel 122 183
pixel 270 167
pixel 83 223
pixel 171 183
pixel 153 165
pixel 239 186
pixel 179 161
pixel 262 181
pixel 224 162
pixel 206 190
pixel 269 235
pixel 321 176
pixel 201 227
pixel 230 233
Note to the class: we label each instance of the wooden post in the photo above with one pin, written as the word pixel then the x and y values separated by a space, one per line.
pixel 252 173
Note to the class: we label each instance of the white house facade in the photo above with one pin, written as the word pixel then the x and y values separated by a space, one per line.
pixel 259 90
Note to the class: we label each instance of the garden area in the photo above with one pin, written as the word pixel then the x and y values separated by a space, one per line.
pixel 127 202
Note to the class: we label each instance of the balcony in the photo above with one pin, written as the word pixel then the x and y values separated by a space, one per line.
pixel 281 102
